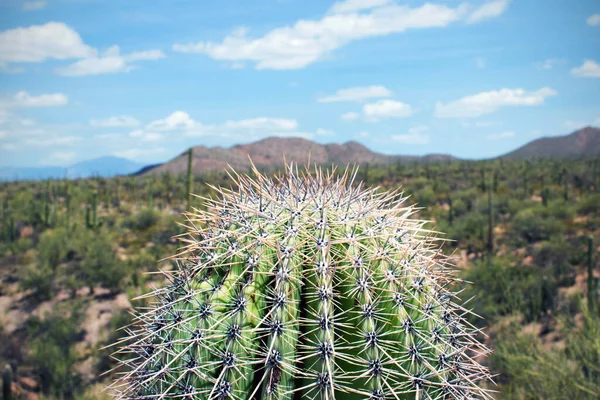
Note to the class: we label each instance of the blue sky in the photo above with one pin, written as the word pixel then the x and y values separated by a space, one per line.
pixel 147 79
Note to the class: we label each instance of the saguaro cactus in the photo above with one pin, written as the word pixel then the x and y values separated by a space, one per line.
pixel 306 286
pixel 7 382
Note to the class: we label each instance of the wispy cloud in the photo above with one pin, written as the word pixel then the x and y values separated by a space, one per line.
pixel 594 20
pixel 589 69
pixel 487 102
pixel 110 62
pixel 37 43
pixel 488 10
pixel 416 135
pixel 358 94
pixel 350 116
pixel 307 41
pixel 56 40
pixel 23 99
pixel 386 109
pixel 125 121
pixel 34 5
pixel 501 135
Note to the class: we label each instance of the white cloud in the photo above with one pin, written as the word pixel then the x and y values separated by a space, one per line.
pixel 491 9
pixel 589 69
pixel 292 134
pixel 480 62
pixel 8 146
pixel 386 109
pixel 140 134
pixel 362 134
pixel 487 102
pixel 551 63
pixel 478 124
pixel 360 93
pixel 415 135
pixel 594 20
pixel 38 43
pixel 305 42
pixel 141 153
pixel 56 40
pixel 23 99
pixel 110 62
pixel 501 135
pixel 262 123
pixel 34 5
pixel 356 5
pixel 350 116
pixel 175 121
pixel 575 125
pixel 3 134
pixel 59 158
pixel 119 121
pixel 53 141
pixel 324 132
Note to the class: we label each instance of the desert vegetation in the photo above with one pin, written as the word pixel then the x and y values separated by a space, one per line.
pixel 74 253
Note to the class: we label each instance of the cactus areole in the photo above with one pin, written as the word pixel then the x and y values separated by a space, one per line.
pixel 304 286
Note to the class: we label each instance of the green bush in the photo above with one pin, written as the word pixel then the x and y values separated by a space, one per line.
pixel 53 248
pixel 534 224
pixel 143 220
pixel 503 290
pixel 52 354
pixel 40 279
pixel 530 371
pixel 589 205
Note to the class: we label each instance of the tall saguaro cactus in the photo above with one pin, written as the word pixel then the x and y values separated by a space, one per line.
pixel 306 286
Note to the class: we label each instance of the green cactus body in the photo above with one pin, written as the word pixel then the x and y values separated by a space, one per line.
pixel 304 287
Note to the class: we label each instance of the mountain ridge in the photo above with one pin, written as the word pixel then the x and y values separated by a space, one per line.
pixel 105 166
pixel 584 142
pixel 270 152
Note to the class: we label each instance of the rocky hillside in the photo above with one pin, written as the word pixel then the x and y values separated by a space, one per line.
pixel 582 143
pixel 270 153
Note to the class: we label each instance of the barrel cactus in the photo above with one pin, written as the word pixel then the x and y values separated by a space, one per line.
pixel 305 285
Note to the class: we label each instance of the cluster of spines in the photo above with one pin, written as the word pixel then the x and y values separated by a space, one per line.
pixel 304 287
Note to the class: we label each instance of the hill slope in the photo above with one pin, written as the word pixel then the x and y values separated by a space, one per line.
pixel 582 143
pixel 270 153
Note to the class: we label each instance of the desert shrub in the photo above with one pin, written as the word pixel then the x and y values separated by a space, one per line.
pixel 53 247
pixel 589 205
pixel 555 255
pixel 559 209
pixel 534 224
pixel 52 354
pixel 143 220
pixel 98 263
pixel 40 279
pixel 530 371
pixel 503 289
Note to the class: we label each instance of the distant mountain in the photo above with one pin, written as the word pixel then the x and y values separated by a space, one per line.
pixel 270 152
pixel 582 143
pixel 104 166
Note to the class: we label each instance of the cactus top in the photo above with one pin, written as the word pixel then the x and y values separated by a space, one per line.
pixel 304 286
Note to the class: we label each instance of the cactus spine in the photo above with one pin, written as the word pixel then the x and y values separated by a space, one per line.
pixel 306 286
